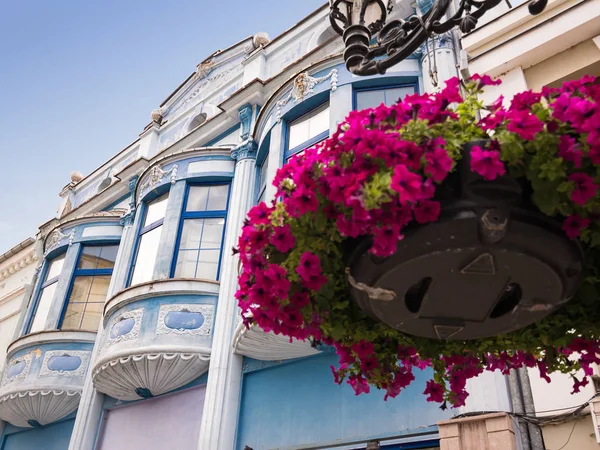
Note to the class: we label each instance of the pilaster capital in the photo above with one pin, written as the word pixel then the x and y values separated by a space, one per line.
pixel 246 150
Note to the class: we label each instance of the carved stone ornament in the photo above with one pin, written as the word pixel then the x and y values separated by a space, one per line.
pixel 50 366
pixel 17 369
pixel 35 407
pixel 155 177
pixel 113 337
pixel 246 150
pixel 157 115
pixel 167 324
pixel 304 85
pixel 148 375
pixel 204 69
pixel 56 237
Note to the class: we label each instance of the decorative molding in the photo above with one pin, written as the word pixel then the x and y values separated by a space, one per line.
pixel 136 315
pixel 245 115
pixel 56 237
pixel 204 69
pixel 21 263
pixel 155 176
pixel 205 329
pixel 246 150
pixel 256 344
pixel 38 407
pixel 84 356
pixel 128 218
pixel 22 374
pixel 254 365
pixel 304 84
pixel 149 374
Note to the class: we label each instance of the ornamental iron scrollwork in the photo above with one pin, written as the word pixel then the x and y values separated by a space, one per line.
pixel 399 39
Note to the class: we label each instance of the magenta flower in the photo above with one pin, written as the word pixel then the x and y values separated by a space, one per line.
pixel 577 385
pixel 568 150
pixel 359 384
pixel 368 364
pixel 336 375
pixel 585 188
pixel 485 80
pixel 427 211
pixel 486 163
pixel 385 240
pixel 524 100
pixel 438 164
pixel 283 239
pixel 292 317
pixel 310 265
pixel 346 357
pixel 363 349
pixel 314 282
pixel 407 184
pixel 594 154
pixel 302 201
pixel 434 392
pixel 260 214
pixel 300 299
pixel 524 124
pixel 574 224
pixel 278 280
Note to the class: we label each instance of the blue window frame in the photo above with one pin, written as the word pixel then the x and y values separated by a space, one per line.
pixel 48 288
pixel 307 130
pixel 142 269
pixel 262 179
pixel 89 287
pixel 372 97
pixel 201 231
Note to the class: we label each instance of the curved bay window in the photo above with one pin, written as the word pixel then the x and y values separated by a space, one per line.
pixel 198 250
pixel 89 287
pixel 46 294
pixel 307 130
pixel 147 251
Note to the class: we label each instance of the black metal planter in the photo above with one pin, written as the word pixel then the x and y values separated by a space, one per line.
pixel 491 264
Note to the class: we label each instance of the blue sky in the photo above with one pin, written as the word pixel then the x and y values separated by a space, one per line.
pixel 78 80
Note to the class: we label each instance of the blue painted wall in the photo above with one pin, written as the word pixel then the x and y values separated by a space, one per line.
pixel 298 403
pixel 51 437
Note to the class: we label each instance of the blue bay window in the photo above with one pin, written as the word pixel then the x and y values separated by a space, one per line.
pixel 89 287
pixel 262 179
pixel 372 97
pixel 307 130
pixel 149 240
pixel 198 249
pixel 48 288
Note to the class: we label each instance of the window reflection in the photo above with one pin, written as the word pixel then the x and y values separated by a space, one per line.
pixel 304 130
pixel 199 251
pixel 147 251
pixel 47 294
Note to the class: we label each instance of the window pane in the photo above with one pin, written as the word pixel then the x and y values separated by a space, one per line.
pixel 208 262
pixel 393 95
pixel 308 126
pixel 263 173
pixel 298 132
pixel 187 261
pixel 207 198
pixel 374 98
pixel 98 257
pixel 191 234
pixel 319 122
pixel 146 256
pixel 217 198
pixel 156 210
pixel 86 301
pixel 55 267
pixel 369 99
pixel 43 307
pixel 212 234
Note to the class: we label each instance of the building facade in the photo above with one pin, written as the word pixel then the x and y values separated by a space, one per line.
pixel 131 336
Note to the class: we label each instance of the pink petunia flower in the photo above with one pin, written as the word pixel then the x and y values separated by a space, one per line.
pixel 525 124
pixel 585 188
pixel 385 240
pixel 438 164
pixel 574 224
pixel 363 349
pixel 486 163
pixel 434 392
pixel 359 384
pixel 283 239
pixel 485 80
pixel 427 211
pixel 310 264
pixel 407 184
pixel 568 150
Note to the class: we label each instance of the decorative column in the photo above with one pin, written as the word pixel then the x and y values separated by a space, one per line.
pixel 89 413
pixel 438 62
pixel 219 418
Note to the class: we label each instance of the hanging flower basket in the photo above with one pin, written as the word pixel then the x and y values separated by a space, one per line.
pixel 421 235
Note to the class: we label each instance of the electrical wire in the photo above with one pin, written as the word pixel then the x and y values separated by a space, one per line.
pixel 570 434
